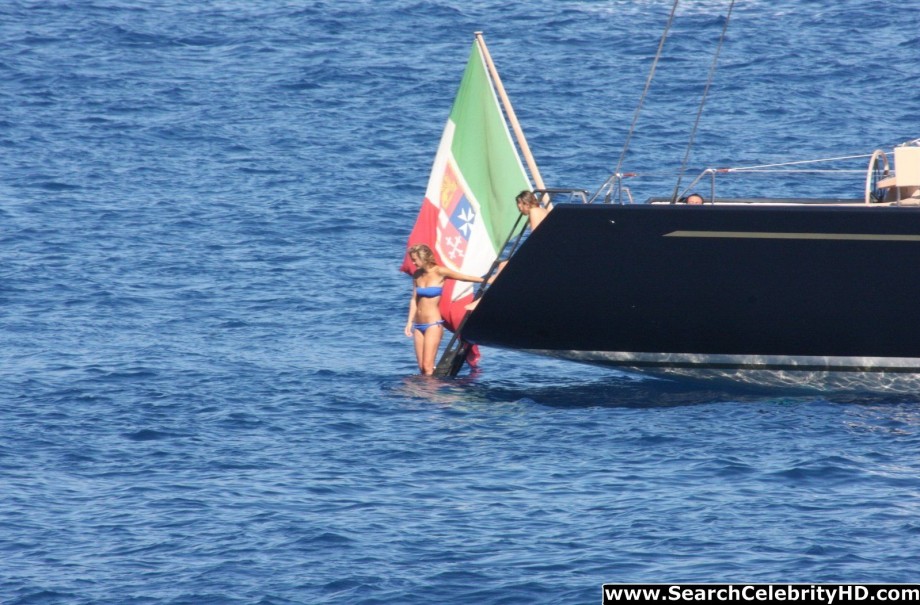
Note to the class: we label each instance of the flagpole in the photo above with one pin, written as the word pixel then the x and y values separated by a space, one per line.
pixel 455 354
pixel 512 118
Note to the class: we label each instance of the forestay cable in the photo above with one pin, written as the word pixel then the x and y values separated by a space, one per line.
pixel 696 123
pixel 648 84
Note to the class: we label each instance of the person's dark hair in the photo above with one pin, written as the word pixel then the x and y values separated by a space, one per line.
pixel 527 198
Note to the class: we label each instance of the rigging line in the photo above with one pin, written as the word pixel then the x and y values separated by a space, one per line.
pixel 797 170
pixel 648 83
pixel 845 157
pixel 699 113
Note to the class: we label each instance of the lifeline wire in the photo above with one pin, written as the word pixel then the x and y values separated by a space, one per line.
pixel 844 157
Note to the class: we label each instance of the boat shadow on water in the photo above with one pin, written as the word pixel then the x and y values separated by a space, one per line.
pixel 626 391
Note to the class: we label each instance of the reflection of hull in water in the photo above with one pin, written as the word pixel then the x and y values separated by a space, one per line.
pixel 832 374
pixel 778 295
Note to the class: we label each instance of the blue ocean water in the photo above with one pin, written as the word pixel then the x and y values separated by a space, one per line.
pixel 205 393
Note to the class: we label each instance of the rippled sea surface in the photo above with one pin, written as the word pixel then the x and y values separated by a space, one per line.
pixel 205 393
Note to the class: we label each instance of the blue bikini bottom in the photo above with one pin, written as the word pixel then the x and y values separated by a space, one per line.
pixel 422 327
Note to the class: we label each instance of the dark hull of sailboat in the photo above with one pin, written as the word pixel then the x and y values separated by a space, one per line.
pixel 802 295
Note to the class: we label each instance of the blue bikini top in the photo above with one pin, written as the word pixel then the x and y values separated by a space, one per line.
pixel 430 291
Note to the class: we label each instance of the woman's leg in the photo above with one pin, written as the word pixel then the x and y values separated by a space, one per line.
pixel 432 339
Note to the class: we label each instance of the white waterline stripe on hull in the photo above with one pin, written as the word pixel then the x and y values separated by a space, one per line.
pixel 867 237
pixel 742 362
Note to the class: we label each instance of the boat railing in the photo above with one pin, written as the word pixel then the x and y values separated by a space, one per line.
pixel 614 189
pixel 711 173
pixel 882 185
pixel 561 195
pixel 878 168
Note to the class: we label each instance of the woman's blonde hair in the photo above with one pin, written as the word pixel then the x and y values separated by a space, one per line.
pixel 424 253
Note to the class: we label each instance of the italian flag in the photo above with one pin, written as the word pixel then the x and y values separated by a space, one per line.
pixel 469 208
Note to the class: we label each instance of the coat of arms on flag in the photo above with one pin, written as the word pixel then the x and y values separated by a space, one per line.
pixel 456 221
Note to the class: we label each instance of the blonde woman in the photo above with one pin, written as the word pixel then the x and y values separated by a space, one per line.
pixel 425 324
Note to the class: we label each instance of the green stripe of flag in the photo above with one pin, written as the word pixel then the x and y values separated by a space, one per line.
pixel 484 151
